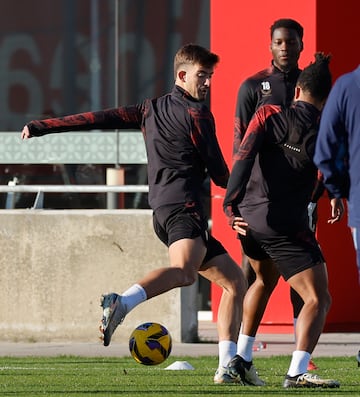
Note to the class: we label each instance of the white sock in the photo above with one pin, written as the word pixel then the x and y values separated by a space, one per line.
pixel 133 297
pixel 227 350
pixel 299 363
pixel 245 346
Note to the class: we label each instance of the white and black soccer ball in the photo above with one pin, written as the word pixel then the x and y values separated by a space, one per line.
pixel 150 343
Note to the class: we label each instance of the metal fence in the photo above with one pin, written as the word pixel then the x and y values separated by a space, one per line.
pixel 113 148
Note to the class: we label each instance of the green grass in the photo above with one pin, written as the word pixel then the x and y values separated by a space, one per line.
pixel 79 376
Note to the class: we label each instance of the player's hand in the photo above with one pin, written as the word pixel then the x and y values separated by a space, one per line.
pixel 337 210
pixel 240 226
pixel 25 133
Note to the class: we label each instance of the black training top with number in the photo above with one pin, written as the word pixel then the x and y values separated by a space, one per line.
pixel 273 174
pixel 180 141
pixel 269 86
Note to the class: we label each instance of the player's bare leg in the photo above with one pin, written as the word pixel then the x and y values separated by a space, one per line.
pixel 255 302
pixel 311 284
pixel 225 273
pixel 186 256
pixel 258 294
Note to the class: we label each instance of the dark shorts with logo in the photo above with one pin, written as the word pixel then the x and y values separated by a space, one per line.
pixel 180 221
pixel 291 253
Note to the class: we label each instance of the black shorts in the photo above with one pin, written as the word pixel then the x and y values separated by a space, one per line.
pixel 176 222
pixel 291 253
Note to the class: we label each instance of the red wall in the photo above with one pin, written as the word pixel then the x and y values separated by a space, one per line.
pixel 338 30
pixel 240 34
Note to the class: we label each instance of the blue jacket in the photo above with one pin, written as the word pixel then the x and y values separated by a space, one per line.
pixel 337 152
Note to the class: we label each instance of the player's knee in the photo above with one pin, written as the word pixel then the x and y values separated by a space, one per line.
pixel 235 287
pixel 320 303
pixel 234 283
pixel 266 284
pixel 188 278
pixel 183 277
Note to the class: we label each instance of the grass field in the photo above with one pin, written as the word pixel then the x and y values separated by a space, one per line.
pixel 79 376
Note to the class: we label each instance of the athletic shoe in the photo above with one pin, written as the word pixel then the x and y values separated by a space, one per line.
pixel 309 380
pixel 312 366
pixel 244 371
pixel 114 313
pixel 222 375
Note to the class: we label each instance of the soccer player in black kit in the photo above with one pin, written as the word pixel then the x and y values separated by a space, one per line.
pixel 270 186
pixel 274 85
pixel 182 148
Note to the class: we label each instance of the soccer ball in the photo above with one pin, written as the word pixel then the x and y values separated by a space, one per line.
pixel 150 343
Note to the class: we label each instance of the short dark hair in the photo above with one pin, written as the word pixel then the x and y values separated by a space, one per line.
pixel 316 78
pixel 287 23
pixel 193 53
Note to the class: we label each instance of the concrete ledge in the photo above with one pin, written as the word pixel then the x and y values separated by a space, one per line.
pixel 56 264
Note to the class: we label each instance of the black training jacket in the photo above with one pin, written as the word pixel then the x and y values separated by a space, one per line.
pixel 273 174
pixel 269 86
pixel 180 141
